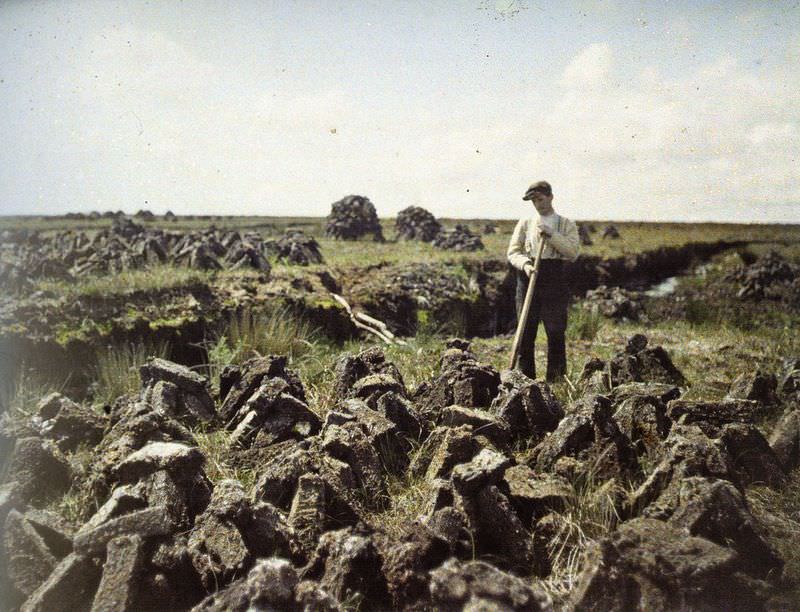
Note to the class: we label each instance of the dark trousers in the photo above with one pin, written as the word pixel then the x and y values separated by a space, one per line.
pixel 550 302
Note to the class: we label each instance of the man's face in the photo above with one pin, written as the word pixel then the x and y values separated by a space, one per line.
pixel 543 203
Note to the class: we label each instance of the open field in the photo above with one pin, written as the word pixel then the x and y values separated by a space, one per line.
pixel 410 453
pixel 637 236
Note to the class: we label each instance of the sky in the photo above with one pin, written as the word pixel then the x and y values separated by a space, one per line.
pixel 662 111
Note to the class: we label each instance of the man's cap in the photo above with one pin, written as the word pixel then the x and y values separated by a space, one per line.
pixel 539 187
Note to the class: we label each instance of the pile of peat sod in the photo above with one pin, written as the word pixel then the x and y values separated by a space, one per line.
pixel 125 246
pixel 341 475
pixel 416 223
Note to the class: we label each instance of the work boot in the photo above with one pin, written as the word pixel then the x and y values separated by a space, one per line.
pixel 526 365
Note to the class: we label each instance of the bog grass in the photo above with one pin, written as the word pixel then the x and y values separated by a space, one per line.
pixel 21 391
pixel 214 444
pixel 152 278
pixel 117 368
pixel 279 331
pixel 274 332
pixel 778 513
pixel 250 333
pixel 590 514
pixel 583 323
pixel 406 498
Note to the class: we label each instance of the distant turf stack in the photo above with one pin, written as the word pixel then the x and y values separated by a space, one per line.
pixel 353 217
pixel 416 223
pixel 459 238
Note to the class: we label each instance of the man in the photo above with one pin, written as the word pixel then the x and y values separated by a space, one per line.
pixel 551 293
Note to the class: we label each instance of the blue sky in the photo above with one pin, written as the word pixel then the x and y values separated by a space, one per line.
pixel 650 110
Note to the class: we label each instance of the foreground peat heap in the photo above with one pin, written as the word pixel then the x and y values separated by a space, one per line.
pixel 295 247
pixel 127 245
pixel 504 471
pixel 770 277
pixel 416 223
pixel 353 217
pixel 637 363
pixel 460 238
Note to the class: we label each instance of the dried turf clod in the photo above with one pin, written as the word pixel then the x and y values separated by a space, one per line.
pixel 476 585
pixel 193 399
pixel 648 564
pixel 588 431
pixel 756 386
pixel 121 572
pixel 68 423
pixel 29 561
pixel 766 277
pixel 785 439
pixel 615 303
pixel 716 510
pixel 484 469
pixel 39 469
pixel 270 585
pixel 347 564
pixel 529 407
pixel 637 363
pixel 71 586
pixel 146 523
pixel 237 384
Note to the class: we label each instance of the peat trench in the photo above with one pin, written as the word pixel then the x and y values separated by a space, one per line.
pixel 488 309
pixel 404 297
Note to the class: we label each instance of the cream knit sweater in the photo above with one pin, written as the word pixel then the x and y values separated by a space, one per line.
pixel 563 244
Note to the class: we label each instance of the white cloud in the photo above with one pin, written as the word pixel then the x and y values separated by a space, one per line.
pixel 589 68
pixel 775 134
pixel 657 147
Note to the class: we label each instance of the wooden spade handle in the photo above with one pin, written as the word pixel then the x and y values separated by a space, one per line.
pixel 523 317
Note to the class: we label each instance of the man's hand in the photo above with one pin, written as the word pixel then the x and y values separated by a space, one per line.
pixel 545 229
pixel 528 269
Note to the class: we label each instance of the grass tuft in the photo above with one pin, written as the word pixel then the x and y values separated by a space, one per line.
pixel 584 324
pixel 778 513
pixel 256 334
pixel 277 332
pixel 20 395
pixel 77 504
pixel 590 515
pixel 117 368
pixel 214 445
pixel 406 499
